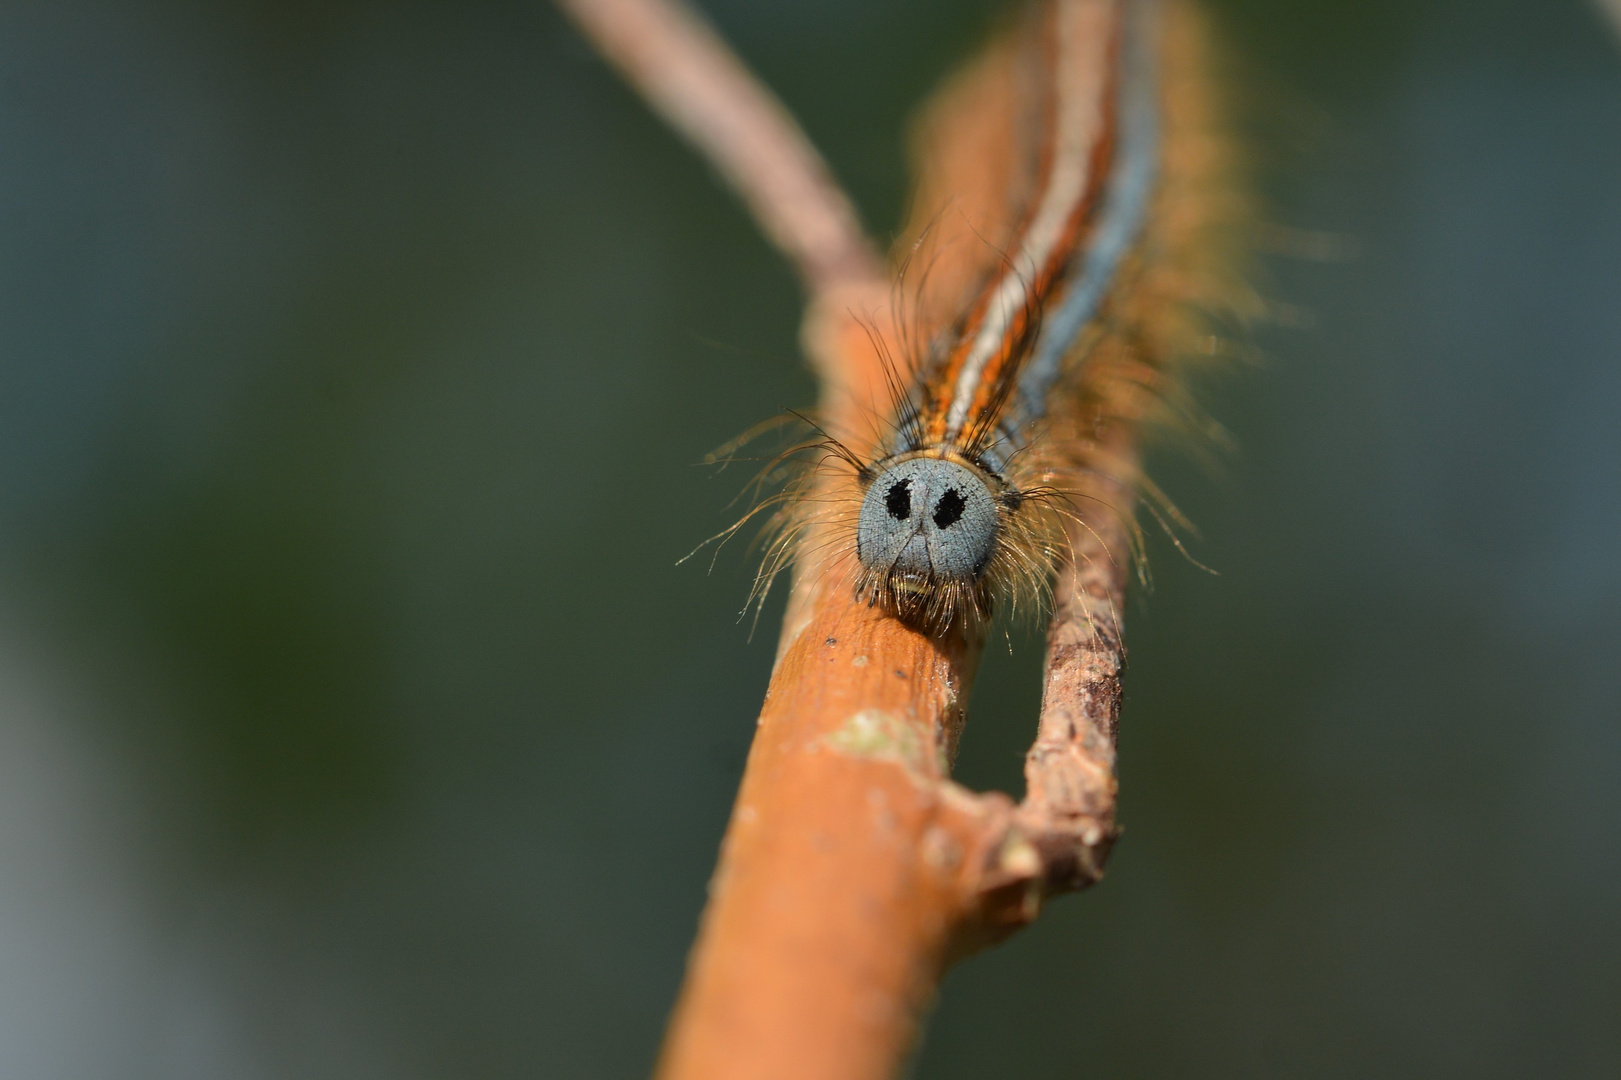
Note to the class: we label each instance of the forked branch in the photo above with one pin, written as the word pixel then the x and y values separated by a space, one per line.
pixel 854 869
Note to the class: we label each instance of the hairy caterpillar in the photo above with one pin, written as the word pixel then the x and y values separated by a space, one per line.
pixel 1060 257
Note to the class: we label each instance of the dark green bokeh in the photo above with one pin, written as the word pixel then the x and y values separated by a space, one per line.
pixel 355 362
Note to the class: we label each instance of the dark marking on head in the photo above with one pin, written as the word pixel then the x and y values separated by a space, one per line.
pixel 951 537
pixel 899 500
pixel 948 511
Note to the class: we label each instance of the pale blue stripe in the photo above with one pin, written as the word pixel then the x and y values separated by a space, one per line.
pixel 1125 208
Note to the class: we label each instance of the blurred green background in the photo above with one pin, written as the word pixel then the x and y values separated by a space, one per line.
pixel 355 721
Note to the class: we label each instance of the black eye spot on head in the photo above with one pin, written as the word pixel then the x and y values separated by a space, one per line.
pixel 952 536
pixel 899 500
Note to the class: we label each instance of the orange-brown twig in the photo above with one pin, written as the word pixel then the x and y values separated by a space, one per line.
pixel 854 869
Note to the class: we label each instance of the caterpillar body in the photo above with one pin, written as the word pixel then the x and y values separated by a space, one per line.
pixel 1061 253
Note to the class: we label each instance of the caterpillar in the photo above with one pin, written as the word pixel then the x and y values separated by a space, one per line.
pixel 1059 258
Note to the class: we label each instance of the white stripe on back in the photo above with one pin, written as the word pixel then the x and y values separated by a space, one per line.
pixel 1080 71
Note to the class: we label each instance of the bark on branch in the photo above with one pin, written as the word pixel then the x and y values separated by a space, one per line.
pixel 854 870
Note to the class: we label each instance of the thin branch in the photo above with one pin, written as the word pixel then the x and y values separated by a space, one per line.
pixel 668 52
pixel 854 870
pixel 1068 809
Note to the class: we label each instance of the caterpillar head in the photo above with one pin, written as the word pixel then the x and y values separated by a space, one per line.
pixel 927 531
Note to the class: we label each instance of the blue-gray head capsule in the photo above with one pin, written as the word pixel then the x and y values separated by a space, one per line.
pixel 930 518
